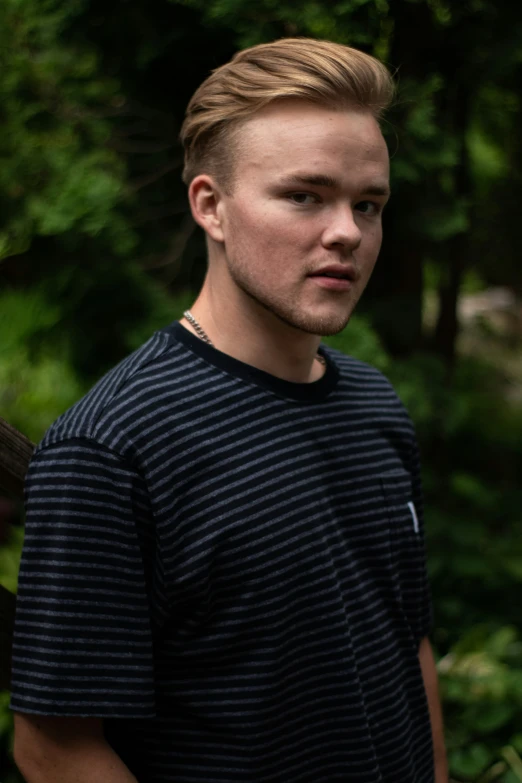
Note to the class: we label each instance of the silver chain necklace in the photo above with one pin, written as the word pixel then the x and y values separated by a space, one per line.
pixel 206 339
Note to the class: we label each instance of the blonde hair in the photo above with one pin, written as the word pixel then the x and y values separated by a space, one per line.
pixel 321 72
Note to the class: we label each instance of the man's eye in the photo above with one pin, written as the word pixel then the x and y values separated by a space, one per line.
pixel 368 207
pixel 303 198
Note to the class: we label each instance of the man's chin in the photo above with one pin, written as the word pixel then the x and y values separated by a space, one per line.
pixel 304 321
pixel 322 327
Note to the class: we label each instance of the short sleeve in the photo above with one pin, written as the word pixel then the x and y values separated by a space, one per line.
pixel 82 640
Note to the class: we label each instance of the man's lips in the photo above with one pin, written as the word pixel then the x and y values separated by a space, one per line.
pixel 340 271
pixel 337 277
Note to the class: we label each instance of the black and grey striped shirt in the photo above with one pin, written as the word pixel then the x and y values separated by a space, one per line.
pixel 228 567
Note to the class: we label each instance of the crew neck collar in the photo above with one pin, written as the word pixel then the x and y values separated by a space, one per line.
pixel 316 391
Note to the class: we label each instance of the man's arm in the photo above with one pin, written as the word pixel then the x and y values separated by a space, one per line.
pixel 69 750
pixel 429 674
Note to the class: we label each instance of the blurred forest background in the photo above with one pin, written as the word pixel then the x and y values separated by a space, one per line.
pixel 97 249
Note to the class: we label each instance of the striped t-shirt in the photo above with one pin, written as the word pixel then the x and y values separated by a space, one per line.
pixel 228 567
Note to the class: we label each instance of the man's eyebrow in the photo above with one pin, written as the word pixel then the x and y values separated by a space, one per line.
pixel 326 181
pixel 377 190
pixel 319 180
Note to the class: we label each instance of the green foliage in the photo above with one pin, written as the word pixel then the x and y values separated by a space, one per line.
pixel 10 554
pixel 481 683
pixel 35 391
pixel 58 175
pixel 35 385
pixel 24 314
pixel 262 21
pixel 358 339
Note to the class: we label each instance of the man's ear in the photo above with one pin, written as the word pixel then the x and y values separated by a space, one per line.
pixel 205 197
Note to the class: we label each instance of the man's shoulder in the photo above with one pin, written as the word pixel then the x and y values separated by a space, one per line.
pixel 367 390
pixel 373 406
pixel 106 413
pixel 362 374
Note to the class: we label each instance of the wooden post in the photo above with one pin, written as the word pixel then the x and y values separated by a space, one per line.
pixel 15 453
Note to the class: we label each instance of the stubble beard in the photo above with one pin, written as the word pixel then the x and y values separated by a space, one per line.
pixel 286 311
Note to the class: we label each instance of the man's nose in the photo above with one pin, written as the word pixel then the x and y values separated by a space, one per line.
pixel 342 230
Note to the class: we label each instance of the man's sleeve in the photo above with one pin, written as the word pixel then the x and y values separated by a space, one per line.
pixel 82 643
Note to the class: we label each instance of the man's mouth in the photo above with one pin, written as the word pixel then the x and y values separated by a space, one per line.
pixel 335 277
pixel 336 271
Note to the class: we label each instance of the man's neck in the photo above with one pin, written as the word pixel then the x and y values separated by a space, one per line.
pixel 258 338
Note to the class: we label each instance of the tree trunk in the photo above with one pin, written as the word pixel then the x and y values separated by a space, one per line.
pixel 447 326
pixel 456 249
pixel 15 453
pixel 394 296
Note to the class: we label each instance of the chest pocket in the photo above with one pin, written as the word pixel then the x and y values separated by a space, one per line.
pixel 404 521
pixel 403 516
pixel 406 543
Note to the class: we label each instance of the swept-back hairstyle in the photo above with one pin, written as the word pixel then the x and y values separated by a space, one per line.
pixel 322 72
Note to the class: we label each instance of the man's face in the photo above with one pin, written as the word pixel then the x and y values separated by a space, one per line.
pixel 302 225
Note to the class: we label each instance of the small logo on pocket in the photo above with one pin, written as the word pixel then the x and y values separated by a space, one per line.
pixel 414 516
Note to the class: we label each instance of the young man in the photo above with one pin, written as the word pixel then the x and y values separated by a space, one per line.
pixel 223 575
